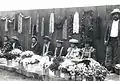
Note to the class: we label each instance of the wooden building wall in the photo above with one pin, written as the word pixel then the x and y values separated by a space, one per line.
pixel 25 37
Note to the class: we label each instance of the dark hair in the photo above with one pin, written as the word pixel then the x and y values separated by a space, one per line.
pixel 35 38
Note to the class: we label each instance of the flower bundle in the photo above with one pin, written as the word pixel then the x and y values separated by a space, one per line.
pixel 12 54
pixel 56 63
pixel 1 54
pixel 35 59
pixel 27 54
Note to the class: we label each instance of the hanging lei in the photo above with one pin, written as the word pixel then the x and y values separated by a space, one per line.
pixel 60 51
pixel 33 45
pixel 45 53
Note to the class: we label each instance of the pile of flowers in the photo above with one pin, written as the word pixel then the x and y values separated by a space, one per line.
pixel 13 54
pixel 86 67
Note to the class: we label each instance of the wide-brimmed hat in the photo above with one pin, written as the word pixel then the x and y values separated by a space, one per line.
pixel 75 41
pixel 59 41
pixel 115 11
pixel 15 37
pixel 47 37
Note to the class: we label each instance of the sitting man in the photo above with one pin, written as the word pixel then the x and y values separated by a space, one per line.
pixel 59 50
pixel 47 47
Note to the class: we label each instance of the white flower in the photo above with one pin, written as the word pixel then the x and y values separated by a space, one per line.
pixel 27 53
pixel 66 63
pixel 16 51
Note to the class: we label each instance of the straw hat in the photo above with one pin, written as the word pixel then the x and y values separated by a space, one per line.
pixel 115 11
pixel 73 41
pixel 15 37
pixel 59 41
pixel 47 37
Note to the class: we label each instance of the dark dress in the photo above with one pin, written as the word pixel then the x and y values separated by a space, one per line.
pixel 50 49
pixel 7 47
pixel 36 49
pixel 58 50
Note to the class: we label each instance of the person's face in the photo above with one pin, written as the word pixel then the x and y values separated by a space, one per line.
pixel 86 45
pixel 115 16
pixel 58 44
pixel 72 45
pixel 33 40
pixel 45 41
pixel 5 39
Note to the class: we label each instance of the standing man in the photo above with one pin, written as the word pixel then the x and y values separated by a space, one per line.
pixel 111 39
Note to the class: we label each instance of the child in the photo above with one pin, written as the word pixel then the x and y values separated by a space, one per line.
pixel 88 51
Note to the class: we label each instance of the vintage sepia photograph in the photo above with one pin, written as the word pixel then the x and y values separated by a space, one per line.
pixel 60 44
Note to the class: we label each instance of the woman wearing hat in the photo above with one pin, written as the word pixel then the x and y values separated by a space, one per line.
pixel 6 45
pixel 73 51
pixel 48 48
pixel 59 50
pixel 15 43
pixel 111 39
pixel 35 46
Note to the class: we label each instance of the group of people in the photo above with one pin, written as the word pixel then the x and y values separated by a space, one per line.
pixel 48 49
pixel 72 52
pixel 111 41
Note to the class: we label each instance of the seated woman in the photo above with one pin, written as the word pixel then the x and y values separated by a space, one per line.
pixel 7 45
pixel 73 51
pixel 35 46
pixel 59 50
pixel 88 51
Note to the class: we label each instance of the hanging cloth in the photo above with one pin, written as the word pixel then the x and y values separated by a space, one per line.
pixel 42 27
pixel 6 24
pixel 76 23
pixel 37 23
pixel 16 22
pixel 30 27
pixel 51 23
pixel 64 34
pixel 20 23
